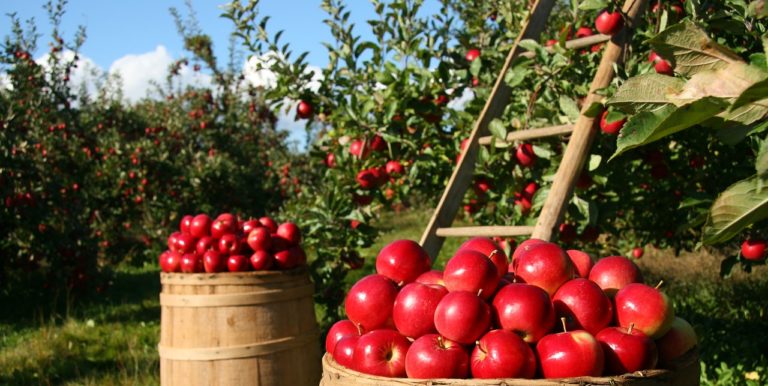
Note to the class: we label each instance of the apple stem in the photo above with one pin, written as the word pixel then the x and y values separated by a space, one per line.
pixel 359 329
pixel 631 326
pixel 493 253
pixel 440 341
pixel 562 320
pixel 400 284
pixel 480 291
pixel 661 282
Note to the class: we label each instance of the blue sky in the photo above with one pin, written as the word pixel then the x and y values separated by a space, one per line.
pixel 138 38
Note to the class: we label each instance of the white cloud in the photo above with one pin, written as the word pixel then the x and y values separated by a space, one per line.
pixel 139 71
pixel 458 103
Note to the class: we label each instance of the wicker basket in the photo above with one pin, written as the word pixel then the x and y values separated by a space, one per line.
pixel 685 373
pixel 251 328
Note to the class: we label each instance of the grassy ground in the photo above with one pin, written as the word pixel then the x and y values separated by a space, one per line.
pixel 112 338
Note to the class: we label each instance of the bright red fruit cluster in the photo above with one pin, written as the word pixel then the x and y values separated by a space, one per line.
pixel 228 243
pixel 487 317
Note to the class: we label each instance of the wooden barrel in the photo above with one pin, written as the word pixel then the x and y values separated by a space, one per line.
pixel 685 373
pixel 250 328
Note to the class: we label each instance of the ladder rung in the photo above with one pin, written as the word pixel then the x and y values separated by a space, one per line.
pixel 540 132
pixel 575 43
pixel 485 231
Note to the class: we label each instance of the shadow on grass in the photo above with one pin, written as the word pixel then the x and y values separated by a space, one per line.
pixel 133 296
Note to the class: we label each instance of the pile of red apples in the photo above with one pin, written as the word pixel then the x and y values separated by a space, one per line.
pixel 549 313
pixel 227 243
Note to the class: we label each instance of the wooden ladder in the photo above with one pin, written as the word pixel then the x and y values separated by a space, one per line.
pixel 576 152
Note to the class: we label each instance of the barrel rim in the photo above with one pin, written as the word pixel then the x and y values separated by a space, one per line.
pixel 333 370
pixel 232 278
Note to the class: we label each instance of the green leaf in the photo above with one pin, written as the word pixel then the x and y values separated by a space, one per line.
pixel 645 92
pixel 591 5
pixel 649 126
pixel 691 50
pixel 761 163
pixel 569 107
pixel 756 93
pixel 594 110
pixel 726 266
pixel 475 67
pixel 594 162
pixel 497 129
pixel 739 206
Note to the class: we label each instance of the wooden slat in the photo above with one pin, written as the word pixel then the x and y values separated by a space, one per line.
pixel 522 135
pixel 485 231
pixel 450 201
pixel 584 131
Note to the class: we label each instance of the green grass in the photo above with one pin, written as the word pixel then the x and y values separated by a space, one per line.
pixel 111 339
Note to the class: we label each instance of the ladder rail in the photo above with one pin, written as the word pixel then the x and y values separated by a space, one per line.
pixel 449 203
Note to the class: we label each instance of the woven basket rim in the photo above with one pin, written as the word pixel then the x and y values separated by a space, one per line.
pixel 335 370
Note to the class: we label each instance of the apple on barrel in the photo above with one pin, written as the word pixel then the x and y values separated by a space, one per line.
pixel 228 243
pixel 484 316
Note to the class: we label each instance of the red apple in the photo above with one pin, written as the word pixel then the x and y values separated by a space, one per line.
pixel 344 350
pixel 237 263
pixel 584 306
pixel 185 243
pixel 612 273
pixel 200 226
pixel 269 223
pixel 583 32
pixel 330 160
pixel 304 110
pixel 462 316
pixel 471 271
pixel 627 350
pixel 369 302
pixel 190 263
pixel 582 261
pixel 638 252
pixel 381 352
pixel 646 307
pixel 229 244
pixel 290 258
pixel 359 149
pixel 502 354
pixel 170 261
pixel 491 250
pixel 339 330
pixel 206 243
pixel 185 223
pixel 279 244
pixel 222 226
pixel 611 128
pixel 753 249
pixel 262 260
pixel 432 356
pixel 173 240
pixel 394 168
pixel 247 226
pixel 431 277
pixel 290 232
pixel 213 262
pixel 664 67
pixel 570 354
pixel 609 23
pixel 524 246
pixel 414 309
pixel 525 155
pixel 472 54
pixel 402 261
pixel 378 143
pixel 544 265
pixel 259 239
pixel 524 309
pixel 680 339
